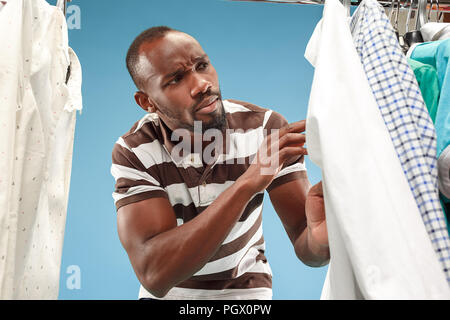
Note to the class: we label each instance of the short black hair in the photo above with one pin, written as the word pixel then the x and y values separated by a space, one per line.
pixel 133 52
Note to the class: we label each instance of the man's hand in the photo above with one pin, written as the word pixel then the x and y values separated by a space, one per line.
pixel 275 150
pixel 315 217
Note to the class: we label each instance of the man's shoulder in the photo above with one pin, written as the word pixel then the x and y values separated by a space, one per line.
pixel 143 131
pixel 246 105
pixel 266 117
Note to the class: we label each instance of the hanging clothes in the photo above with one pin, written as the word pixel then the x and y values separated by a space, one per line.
pixel 378 242
pixel 437 54
pixel 433 31
pixel 398 97
pixel 427 79
pixel 37 123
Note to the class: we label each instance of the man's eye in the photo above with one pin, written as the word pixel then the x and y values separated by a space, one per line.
pixel 176 79
pixel 203 65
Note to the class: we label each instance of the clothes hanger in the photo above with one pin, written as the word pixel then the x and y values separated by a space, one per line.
pixel 439 13
pixel 421 19
pixel 347 4
pixel 408 17
pixel 431 9
pixel 62 4
pixel 391 14
pixel 412 37
pixel 395 7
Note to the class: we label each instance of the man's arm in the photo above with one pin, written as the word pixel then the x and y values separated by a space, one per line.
pixel 301 210
pixel 164 254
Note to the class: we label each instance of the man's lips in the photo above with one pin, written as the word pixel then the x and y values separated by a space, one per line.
pixel 207 104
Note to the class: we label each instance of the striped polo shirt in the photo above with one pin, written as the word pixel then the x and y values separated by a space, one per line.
pixel 144 167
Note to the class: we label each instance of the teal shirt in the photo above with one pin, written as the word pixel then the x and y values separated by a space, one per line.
pixel 437 54
pixel 427 79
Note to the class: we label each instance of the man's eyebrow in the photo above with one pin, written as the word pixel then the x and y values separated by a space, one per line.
pixel 180 70
pixel 202 57
pixel 170 75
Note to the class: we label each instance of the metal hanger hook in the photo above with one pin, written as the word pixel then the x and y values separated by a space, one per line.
pixel 408 17
pixel 395 7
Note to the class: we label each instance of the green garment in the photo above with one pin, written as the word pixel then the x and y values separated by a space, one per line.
pixel 427 78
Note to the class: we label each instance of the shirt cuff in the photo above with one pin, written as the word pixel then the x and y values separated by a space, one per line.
pixel 286 178
pixel 141 196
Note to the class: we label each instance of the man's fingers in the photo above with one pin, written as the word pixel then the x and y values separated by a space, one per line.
pixel 289 152
pixel 297 126
pixel 292 139
pixel 285 144
pixel 294 127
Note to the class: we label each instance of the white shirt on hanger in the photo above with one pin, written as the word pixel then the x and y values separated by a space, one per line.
pixel 378 243
pixel 37 123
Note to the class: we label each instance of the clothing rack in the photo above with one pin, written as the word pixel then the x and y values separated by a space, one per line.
pixel 444 5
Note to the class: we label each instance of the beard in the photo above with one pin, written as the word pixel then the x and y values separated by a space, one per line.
pixel 218 120
pixel 218 117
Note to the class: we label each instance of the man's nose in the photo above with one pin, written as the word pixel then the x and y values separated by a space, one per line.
pixel 200 86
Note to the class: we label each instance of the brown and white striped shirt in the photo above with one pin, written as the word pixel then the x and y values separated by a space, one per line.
pixel 143 168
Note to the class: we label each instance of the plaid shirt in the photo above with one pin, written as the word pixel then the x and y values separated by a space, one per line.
pixel 402 107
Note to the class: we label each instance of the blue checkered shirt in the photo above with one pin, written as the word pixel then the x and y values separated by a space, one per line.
pixel 402 107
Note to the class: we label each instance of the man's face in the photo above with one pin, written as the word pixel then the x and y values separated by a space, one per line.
pixel 181 83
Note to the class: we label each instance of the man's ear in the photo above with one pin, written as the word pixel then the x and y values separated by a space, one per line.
pixel 143 101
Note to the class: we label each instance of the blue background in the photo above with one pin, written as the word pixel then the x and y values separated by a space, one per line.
pixel 257 50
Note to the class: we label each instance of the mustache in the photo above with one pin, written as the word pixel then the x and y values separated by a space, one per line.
pixel 205 96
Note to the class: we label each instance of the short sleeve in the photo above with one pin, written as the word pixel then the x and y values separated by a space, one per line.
pixel 292 169
pixel 134 182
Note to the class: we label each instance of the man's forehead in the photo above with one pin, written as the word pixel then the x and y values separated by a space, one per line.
pixel 162 55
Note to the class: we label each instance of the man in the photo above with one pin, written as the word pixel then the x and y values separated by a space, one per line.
pixel 191 223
